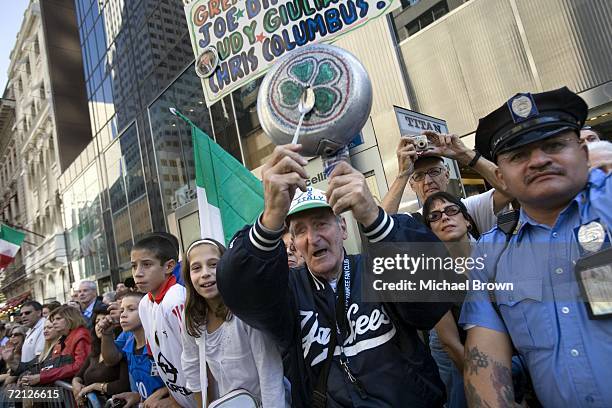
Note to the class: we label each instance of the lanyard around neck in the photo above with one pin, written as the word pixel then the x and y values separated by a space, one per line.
pixel 344 295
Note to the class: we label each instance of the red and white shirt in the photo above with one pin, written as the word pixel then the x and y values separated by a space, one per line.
pixel 162 321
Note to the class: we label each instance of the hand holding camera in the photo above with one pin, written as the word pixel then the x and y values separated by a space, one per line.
pixel 406 156
pixel 445 145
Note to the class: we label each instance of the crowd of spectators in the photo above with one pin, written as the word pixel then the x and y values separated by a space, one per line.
pixel 284 323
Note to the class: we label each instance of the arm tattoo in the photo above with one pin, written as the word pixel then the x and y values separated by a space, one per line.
pixel 501 377
pixel 475 359
pixel 472 397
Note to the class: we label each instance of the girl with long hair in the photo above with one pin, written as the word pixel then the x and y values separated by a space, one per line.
pixel 237 355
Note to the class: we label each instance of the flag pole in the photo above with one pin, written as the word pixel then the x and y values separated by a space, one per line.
pixel 179 114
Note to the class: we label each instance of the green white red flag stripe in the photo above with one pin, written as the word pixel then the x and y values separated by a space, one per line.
pixel 229 195
pixel 10 242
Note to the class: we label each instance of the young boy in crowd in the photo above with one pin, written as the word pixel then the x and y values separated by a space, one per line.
pixel 153 260
pixel 131 346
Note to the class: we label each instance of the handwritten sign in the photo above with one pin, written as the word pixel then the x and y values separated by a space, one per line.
pixel 249 35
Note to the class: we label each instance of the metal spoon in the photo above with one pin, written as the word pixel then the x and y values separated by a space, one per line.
pixel 307 102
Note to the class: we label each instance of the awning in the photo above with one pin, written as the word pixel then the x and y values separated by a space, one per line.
pixel 14 304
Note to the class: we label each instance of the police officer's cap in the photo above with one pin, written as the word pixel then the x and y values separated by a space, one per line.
pixel 527 118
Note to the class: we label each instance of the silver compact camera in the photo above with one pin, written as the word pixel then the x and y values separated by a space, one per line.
pixel 421 143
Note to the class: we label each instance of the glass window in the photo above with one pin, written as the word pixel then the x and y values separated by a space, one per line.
pixel 128 199
pixel 130 150
pixel 118 202
pixel 407 23
pixel 79 13
pixel 89 22
pixel 115 177
pixel 256 146
pixel 84 231
pixel 172 137
pixel 89 50
pixel 101 37
pixel 108 96
pixel 226 134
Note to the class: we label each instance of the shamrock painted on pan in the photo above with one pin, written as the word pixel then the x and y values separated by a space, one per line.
pixel 322 76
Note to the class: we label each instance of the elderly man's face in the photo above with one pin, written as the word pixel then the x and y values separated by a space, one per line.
pixel 318 236
pixel 588 136
pixel 86 295
pixel 430 176
pixel 547 173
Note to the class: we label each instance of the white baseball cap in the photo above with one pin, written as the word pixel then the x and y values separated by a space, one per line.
pixel 307 200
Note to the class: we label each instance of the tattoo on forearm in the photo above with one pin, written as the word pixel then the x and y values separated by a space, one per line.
pixel 472 397
pixel 475 359
pixel 501 377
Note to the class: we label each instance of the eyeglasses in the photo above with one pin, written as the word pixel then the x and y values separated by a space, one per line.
pixel 549 147
pixel 449 211
pixel 433 172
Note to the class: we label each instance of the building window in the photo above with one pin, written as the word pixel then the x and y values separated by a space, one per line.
pixel 128 199
pixel 407 23
pixel 172 137
pixel 256 146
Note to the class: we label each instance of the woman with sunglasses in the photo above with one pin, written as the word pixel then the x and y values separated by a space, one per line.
pixel 449 220
pixel 238 356
pixel 11 353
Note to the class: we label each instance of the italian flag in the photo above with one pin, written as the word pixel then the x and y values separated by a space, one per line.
pixel 229 195
pixel 10 242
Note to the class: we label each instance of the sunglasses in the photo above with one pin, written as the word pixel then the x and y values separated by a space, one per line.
pixel 449 211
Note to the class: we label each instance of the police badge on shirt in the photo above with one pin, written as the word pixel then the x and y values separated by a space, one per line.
pixel 594 268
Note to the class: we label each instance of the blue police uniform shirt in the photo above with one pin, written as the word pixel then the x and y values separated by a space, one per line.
pixel 568 355
pixel 140 367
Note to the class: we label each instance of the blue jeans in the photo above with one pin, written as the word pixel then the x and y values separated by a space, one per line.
pixel 451 377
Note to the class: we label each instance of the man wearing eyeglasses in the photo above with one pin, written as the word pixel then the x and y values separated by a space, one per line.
pixel 558 314
pixel 427 174
pixel 34 343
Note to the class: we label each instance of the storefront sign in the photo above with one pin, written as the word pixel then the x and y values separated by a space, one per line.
pixel 414 123
pixel 249 35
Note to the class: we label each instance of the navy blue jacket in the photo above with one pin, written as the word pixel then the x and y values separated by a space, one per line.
pixel 297 309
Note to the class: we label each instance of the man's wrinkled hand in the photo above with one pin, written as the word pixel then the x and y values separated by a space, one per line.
pixel 348 190
pixel 282 175
pixel 447 145
pixel 406 156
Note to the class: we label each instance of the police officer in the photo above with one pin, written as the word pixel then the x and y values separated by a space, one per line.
pixel 564 339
